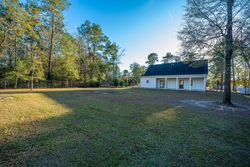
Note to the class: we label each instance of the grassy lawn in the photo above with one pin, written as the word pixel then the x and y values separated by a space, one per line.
pixel 120 127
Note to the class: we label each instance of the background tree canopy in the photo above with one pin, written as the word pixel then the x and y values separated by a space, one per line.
pixel 36 49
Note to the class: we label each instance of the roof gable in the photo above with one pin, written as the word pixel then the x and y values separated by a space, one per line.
pixel 180 68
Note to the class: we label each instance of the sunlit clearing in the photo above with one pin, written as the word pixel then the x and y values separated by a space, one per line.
pixel 30 107
pixel 24 113
pixel 166 115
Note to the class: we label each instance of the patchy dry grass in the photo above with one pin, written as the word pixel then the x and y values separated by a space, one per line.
pixel 120 127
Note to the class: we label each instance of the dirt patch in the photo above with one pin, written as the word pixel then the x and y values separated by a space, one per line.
pixel 2 98
pixel 215 105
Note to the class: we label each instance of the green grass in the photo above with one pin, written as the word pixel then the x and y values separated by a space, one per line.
pixel 120 127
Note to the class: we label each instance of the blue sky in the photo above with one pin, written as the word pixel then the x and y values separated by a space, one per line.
pixel 138 26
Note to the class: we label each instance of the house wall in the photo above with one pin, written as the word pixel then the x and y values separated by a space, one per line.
pixel 150 84
pixel 198 84
pixel 171 83
pixel 186 83
pixel 157 83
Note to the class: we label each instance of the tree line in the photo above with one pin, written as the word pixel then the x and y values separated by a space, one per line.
pixel 36 48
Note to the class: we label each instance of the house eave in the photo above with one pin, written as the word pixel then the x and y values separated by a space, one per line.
pixel 174 76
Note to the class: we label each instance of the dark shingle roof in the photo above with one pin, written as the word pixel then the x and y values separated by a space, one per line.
pixel 180 68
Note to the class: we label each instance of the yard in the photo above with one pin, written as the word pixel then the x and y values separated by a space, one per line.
pixel 121 127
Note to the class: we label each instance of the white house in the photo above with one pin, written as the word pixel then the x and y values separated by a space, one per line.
pixel 177 76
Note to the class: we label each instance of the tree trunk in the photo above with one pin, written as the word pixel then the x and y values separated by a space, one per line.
pixel 221 81
pixel 85 70
pixel 4 37
pixel 16 83
pixel 245 80
pixel 32 66
pixel 10 58
pixel 228 57
pixel 49 77
pixel 233 73
pixel 5 84
pixel 92 60
pixel 245 58
pixel 31 82
pixel 91 67
pixel 15 53
pixel 248 81
pixel 84 64
pixel 113 74
pixel 67 83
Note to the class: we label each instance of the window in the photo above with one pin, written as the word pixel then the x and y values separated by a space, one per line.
pixel 192 82
pixel 162 83
pixel 147 81
pixel 181 84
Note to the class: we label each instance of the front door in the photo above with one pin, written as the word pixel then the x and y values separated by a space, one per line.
pixel 162 83
pixel 181 84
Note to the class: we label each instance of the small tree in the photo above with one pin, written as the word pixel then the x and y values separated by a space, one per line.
pixel 66 66
pixel 125 77
pixel 137 70
pixel 19 72
pixel 152 59
pixel 170 58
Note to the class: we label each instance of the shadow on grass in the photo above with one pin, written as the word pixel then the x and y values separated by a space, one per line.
pixel 130 127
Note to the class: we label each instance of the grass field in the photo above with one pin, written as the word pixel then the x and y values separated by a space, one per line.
pixel 120 127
